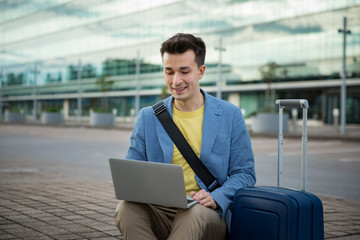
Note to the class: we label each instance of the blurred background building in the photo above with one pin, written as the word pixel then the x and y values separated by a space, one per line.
pixel 70 54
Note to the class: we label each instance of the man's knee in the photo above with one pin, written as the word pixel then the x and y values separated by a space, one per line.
pixel 122 207
pixel 201 214
pixel 198 222
pixel 126 214
pixel 201 217
pixel 120 212
pixel 134 220
pixel 211 224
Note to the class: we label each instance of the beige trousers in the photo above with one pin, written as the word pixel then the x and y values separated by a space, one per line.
pixel 137 221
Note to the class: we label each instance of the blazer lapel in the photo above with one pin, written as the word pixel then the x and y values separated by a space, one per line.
pixel 212 118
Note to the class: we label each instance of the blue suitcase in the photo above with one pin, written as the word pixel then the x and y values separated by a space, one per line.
pixel 277 213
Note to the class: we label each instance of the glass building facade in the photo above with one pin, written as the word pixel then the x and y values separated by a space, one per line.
pixel 47 48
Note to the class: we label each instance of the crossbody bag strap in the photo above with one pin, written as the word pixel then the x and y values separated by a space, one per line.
pixel 185 149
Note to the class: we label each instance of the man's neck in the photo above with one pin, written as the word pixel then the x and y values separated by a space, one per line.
pixel 191 104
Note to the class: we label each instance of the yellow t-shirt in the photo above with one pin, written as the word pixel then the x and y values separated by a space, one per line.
pixel 190 125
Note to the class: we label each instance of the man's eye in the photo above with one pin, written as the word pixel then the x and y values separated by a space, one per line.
pixel 185 72
pixel 169 73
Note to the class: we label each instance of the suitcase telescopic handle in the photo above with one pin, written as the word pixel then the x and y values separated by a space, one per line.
pixel 293 103
pixel 303 103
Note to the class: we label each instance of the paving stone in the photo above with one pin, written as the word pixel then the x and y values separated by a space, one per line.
pixel 36 224
pixel 94 235
pixel 81 229
pixel 10 226
pixel 52 231
pixel 43 237
pixel 6 222
pixel 338 234
pixel 77 218
pixel 67 237
pixel 28 233
pixel 108 238
pixel 6 235
pixel 114 233
pixel 104 227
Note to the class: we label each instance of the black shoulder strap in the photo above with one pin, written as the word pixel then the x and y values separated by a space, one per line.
pixel 185 149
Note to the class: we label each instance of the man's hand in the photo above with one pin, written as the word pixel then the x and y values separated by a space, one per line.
pixel 204 198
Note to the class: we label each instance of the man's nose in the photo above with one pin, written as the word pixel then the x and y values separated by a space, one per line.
pixel 177 78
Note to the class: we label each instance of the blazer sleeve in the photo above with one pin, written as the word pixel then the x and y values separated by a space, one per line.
pixel 137 149
pixel 241 172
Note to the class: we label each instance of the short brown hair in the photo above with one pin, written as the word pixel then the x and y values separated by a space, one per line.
pixel 182 42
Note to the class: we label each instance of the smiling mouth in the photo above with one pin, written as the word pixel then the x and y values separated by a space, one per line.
pixel 179 89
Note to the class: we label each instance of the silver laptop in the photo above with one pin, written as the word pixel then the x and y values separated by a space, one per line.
pixel 149 182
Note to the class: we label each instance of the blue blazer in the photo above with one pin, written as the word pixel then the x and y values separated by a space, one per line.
pixel 225 150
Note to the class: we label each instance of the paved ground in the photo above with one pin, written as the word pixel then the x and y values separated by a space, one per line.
pixel 85 209
pixel 77 210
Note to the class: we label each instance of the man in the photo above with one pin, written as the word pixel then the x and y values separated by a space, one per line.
pixel 217 133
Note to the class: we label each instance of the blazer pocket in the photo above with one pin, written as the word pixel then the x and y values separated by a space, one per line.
pixel 219 158
pixel 221 147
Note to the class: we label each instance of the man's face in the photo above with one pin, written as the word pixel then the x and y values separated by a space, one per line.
pixel 182 75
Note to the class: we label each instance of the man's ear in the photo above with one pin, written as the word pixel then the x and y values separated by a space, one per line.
pixel 201 71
